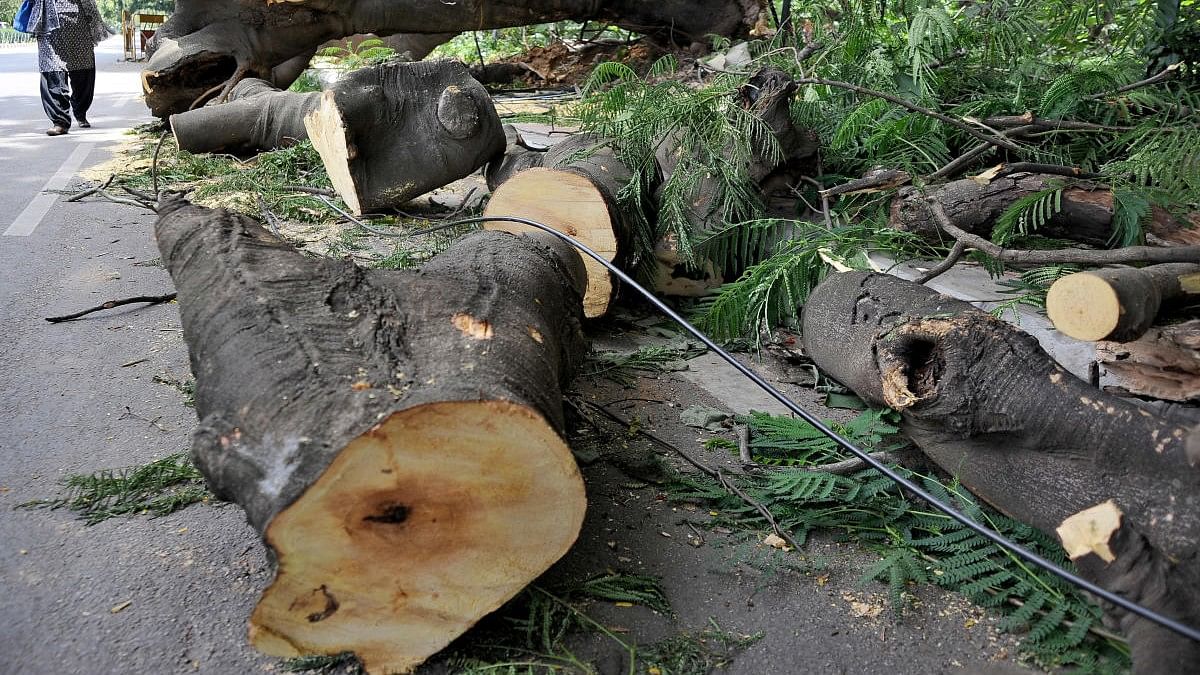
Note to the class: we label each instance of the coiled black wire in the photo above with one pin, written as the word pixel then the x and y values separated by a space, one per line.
pixel 994 537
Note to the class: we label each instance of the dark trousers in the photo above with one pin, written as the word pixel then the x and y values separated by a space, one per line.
pixel 58 99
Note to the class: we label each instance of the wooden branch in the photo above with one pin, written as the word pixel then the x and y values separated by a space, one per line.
pixel 876 181
pixel 1163 75
pixel 941 268
pixel 1126 255
pixel 149 299
pixel 1118 304
pixel 1161 363
pixel 997 141
pixel 963 161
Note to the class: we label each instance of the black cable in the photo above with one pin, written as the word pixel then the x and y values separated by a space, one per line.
pixel 994 537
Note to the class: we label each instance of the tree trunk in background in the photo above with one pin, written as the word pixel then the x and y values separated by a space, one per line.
pixel 206 42
pixel 974 205
pixel 1119 486
pixel 393 435
pixel 394 131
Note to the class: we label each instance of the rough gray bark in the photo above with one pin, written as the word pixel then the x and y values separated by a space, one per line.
pixel 982 399
pixel 378 426
pixel 974 206
pixel 257 117
pixel 397 130
pixel 206 42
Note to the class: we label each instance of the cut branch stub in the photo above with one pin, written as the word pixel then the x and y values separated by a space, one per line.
pixel 984 401
pixel 394 435
pixel 1118 304
pixel 389 133
pixel 573 188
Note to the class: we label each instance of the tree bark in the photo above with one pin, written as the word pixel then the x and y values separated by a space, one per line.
pixel 1118 485
pixel 1119 303
pixel 397 130
pixel 974 204
pixel 1164 363
pixel 257 117
pixel 393 435
pixel 205 42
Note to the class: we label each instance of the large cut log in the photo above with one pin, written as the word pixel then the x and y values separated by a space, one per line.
pixel 257 117
pixel 572 187
pixel 208 42
pixel 397 130
pixel 1164 363
pixel 1119 303
pixel 395 436
pixel 1119 486
pixel 974 204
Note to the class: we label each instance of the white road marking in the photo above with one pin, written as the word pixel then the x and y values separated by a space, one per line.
pixel 28 219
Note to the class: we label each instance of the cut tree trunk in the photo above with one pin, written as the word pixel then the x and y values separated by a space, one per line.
pixel 397 130
pixel 257 117
pixel 206 42
pixel 974 204
pixel 1120 303
pixel 572 187
pixel 1164 363
pixel 395 436
pixel 1119 486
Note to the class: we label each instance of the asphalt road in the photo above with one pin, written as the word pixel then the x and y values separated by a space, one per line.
pixel 68 405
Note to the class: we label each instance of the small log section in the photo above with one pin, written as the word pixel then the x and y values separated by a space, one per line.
pixel 1119 486
pixel 1164 363
pixel 1120 303
pixel 572 187
pixel 395 436
pixel 398 130
pixel 257 117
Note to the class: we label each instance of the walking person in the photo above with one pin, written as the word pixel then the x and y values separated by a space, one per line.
pixel 67 34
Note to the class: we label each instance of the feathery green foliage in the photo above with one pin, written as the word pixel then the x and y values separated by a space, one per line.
pixel 916 544
pixel 622 367
pixel 159 488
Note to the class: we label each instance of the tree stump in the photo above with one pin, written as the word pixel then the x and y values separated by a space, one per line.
pixel 395 436
pixel 1119 486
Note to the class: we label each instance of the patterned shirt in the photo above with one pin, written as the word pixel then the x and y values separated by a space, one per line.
pixel 72 45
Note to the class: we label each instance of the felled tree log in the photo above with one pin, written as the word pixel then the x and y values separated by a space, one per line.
pixel 572 187
pixel 397 130
pixel 207 42
pixel 1119 303
pixel 974 204
pixel 1118 486
pixel 395 436
pixel 257 117
pixel 1164 363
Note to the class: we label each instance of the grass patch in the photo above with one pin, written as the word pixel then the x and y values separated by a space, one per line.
pixel 916 545
pixel 159 488
pixel 694 652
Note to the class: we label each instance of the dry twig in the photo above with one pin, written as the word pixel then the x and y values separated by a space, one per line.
pixel 149 299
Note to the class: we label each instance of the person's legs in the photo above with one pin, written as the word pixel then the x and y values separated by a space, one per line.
pixel 83 85
pixel 56 101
